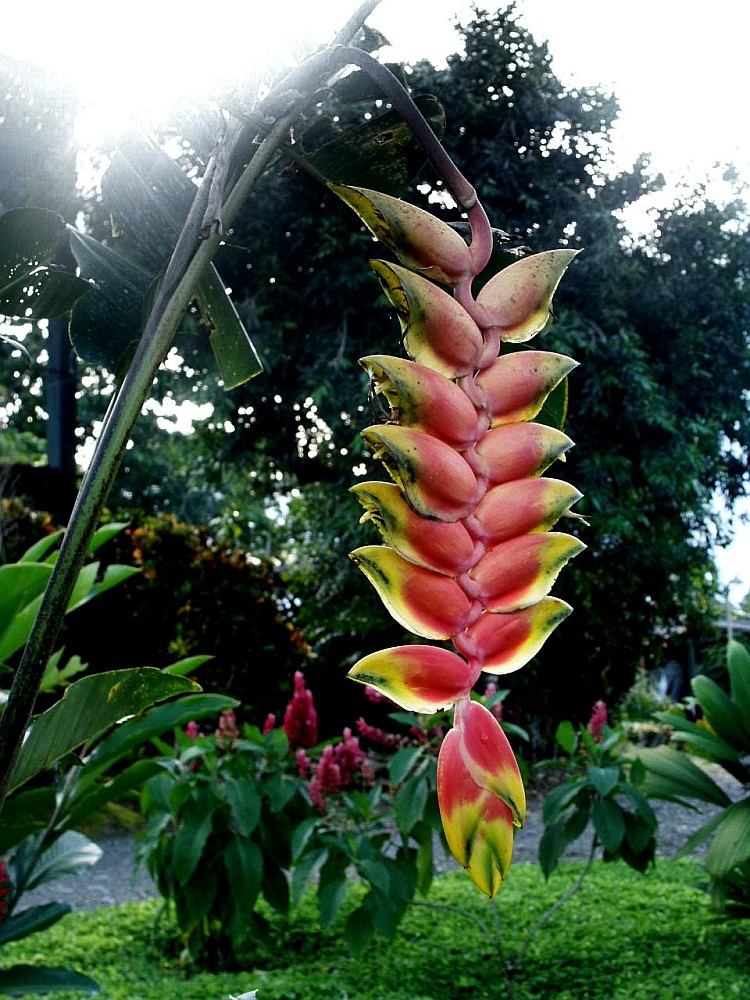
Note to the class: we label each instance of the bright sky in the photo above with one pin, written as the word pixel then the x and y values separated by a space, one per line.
pixel 679 70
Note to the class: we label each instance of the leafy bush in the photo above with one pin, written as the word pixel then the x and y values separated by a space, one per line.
pixel 196 595
pixel 722 736
pixel 598 790
pixel 235 818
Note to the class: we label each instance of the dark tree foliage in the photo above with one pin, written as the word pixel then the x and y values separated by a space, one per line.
pixel 658 407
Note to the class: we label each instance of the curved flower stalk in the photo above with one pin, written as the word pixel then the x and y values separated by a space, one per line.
pixel 468 553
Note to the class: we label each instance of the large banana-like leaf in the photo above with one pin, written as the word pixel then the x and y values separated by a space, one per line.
pixel 721 712
pixel 87 709
pixel 673 776
pixel 731 845
pixel 31 287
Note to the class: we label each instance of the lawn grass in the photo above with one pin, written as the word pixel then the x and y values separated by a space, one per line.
pixel 648 937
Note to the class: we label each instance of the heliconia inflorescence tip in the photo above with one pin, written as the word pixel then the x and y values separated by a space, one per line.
pixel 468 554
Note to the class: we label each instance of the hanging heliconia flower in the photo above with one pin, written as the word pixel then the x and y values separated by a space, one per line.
pixel 468 554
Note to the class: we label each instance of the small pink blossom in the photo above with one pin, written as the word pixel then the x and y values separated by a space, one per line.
pixel 191 730
pixel 269 723
pixel 379 736
pixel 337 767
pixel 598 721
pixel 5 888
pixel 227 732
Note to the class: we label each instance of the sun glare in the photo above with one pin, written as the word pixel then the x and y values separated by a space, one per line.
pixel 132 64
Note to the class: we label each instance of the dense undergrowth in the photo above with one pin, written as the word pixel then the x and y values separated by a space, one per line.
pixel 622 936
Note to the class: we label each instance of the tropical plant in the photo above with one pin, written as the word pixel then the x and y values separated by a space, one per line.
pixel 235 816
pixel 598 791
pixel 720 735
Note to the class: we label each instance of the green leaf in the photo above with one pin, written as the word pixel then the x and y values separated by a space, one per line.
pixel 88 708
pixel 638 833
pixel 359 931
pixel 188 844
pixel 106 322
pixel 24 814
pixel 722 714
pixel 20 584
pixel 137 731
pixel 301 837
pixel 330 898
pixel 80 805
pixel 738 664
pixel 31 287
pixel 604 779
pixel 731 845
pixel 22 980
pixel 55 676
pixel 609 824
pixel 149 197
pixel 243 862
pixel 402 762
pixel 307 868
pixel 188 665
pixel 703 833
pixel 673 776
pixel 105 533
pixel 244 803
pixel 641 803
pixel 39 549
pixel 31 920
pixel 559 798
pixel 565 737
pixel 234 351
pixel 67 855
pixel 705 742
pixel 409 804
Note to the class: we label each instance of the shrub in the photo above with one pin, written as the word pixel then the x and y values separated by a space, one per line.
pixel 721 736
pixel 234 819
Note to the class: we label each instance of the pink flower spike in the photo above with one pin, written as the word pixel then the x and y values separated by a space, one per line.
pixel 191 730
pixel 300 718
pixel 598 721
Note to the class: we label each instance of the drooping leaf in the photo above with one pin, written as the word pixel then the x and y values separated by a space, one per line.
pixel 30 286
pixel 22 980
pixel 31 920
pixel 88 708
pixel 673 776
pixel 107 322
pixel 67 855
pixel 609 824
pixel 137 732
pixel 738 663
pixel 234 351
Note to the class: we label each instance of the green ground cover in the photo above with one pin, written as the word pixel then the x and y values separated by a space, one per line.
pixel 622 936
